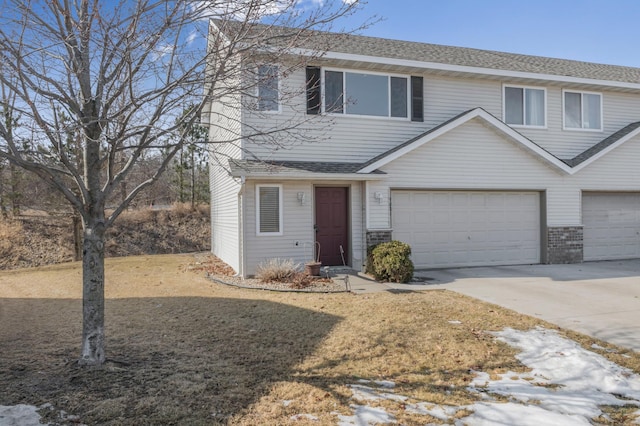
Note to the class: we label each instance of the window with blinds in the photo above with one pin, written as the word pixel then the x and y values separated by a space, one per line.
pixel 269 209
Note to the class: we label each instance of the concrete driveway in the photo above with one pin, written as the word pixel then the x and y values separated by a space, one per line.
pixel 600 299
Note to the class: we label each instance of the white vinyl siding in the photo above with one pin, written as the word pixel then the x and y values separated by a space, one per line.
pixel 226 228
pixel 298 225
pixel 582 110
pixel 525 106
pixel 350 138
pixel 269 210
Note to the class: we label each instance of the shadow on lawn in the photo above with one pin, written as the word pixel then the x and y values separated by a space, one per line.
pixel 174 360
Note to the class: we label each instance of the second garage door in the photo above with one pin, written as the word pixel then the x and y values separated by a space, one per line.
pixel 611 225
pixel 468 228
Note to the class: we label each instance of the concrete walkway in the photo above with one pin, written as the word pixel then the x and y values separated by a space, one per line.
pixel 600 299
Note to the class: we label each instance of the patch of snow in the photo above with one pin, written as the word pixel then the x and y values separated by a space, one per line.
pixel 455 322
pixel 382 383
pixel 297 417
pixel 364 416
pixel 566 385
pixel 19 415
pixel 567 364
pixel 367 393
pixel 364 393
pixel 440 412
pixel 287 402
pixel 509 414
pixel 385 384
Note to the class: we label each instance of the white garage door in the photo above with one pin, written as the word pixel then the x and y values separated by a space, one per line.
pixel 468 228
pixel 611 225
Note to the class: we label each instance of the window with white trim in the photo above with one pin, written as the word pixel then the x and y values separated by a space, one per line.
pixel 582 110
pixel 268 82
pixel 525 106
pixel 269 209
pixel 366 94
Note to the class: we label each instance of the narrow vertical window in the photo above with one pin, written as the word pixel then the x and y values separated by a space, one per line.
pixel 313 90
pixel 417 99
pixel 269 209
pixel 268 88
pixel 333 91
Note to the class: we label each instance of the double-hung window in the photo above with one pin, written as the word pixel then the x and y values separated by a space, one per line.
pixel 525 106
pixel 269 209
pixel 268 88
pixel 365 94
pixel 582 110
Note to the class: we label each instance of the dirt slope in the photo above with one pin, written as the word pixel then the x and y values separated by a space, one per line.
pixel 43 240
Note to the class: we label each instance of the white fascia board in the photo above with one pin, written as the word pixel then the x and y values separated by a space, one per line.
pixel 312 176
pixel 464 68
pixel 478 112
pixel 605 151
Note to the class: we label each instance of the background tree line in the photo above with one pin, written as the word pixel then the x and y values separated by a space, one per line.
pixel 185 181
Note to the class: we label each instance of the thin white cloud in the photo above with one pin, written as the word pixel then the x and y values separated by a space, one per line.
pixel 192 37
pixel 162 51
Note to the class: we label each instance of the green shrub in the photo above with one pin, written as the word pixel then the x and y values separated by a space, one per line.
pixel 391 262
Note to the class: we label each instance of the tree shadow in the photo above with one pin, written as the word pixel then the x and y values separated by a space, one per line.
pixel 186 360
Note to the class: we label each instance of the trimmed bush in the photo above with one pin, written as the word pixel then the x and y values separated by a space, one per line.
pixel 391 262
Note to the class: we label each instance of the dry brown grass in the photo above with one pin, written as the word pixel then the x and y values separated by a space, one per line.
pixel 10 233
pixel 190 351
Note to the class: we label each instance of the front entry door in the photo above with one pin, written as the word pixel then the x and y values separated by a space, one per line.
pixel 332 224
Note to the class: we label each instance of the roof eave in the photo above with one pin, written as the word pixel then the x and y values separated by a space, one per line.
pixel 437 66
pixel 308 176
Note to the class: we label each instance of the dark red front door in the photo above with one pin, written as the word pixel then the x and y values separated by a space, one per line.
pixel 332 225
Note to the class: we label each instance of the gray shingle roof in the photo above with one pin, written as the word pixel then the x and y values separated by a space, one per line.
pixel 602 145
pixel 239 167
pixel 426 52
pixel 463 56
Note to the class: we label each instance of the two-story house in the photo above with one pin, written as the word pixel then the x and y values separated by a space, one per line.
pixel 473 157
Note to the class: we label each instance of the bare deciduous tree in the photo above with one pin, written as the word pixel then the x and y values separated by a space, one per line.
pixel 116 76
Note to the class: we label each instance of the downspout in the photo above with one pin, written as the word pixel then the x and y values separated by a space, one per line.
pixel 241 251
pixel 365 225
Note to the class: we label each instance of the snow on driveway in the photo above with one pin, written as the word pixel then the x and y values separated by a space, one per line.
pixel 566 385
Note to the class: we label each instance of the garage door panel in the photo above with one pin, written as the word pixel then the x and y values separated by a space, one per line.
pixel 468 228
pixel 611 225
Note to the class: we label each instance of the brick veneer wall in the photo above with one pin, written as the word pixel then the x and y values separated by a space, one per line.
pixel 565 244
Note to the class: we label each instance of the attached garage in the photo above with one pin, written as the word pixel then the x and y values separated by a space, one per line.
pixel 611 225
pixel 467 228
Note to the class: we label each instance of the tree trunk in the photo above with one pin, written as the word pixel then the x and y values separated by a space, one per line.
pixel 93 294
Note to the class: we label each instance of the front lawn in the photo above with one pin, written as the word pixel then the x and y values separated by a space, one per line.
pixel 185 350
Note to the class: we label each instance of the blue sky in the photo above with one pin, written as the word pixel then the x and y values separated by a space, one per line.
pixel 604 31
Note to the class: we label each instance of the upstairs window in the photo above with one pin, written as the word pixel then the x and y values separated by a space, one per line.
pixel 268 88
pixel 582 110
pixel 524 106
pixel 375 95
pixel 269 209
